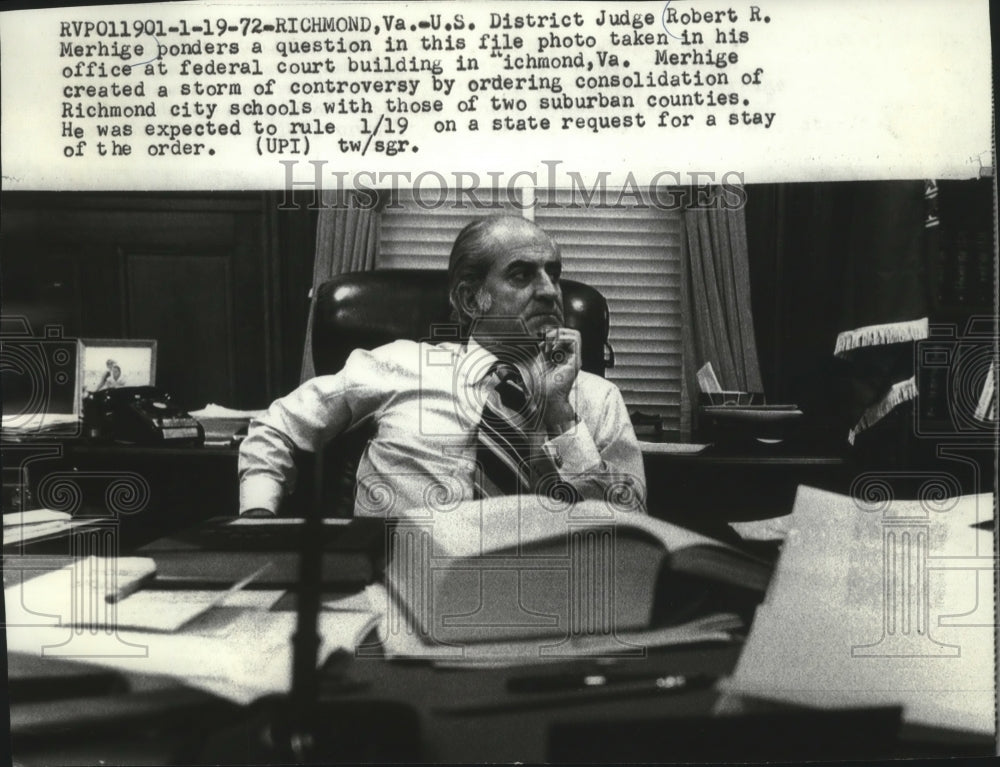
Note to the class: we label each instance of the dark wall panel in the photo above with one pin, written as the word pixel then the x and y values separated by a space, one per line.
pixel 183 301
pixel 204 274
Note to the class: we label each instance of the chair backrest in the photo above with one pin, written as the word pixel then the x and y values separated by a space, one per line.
pixel 364 310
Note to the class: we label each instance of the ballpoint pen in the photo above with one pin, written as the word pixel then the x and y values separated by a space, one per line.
pixel 547 683
pixel 543 691
pixel 135 585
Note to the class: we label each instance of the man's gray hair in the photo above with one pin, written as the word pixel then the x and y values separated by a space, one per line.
pixel 477 246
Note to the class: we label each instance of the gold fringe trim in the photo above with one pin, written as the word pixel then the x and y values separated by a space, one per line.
pixel 901 391
pixel 880 335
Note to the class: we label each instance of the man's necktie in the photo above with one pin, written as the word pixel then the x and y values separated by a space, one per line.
pixel 508 450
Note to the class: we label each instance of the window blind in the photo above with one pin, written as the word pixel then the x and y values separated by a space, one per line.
pixel 630 254
pixel 420 236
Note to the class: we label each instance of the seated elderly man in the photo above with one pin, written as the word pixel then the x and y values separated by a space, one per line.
pixel 507 410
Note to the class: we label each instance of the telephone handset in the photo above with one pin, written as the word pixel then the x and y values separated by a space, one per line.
pixel 139 415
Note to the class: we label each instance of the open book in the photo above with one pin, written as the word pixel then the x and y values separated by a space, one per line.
pixel 512 568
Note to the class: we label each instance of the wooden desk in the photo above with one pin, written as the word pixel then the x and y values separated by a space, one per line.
pixel 740 481
pixel 151 491
pixel 176 487
pixel 141 720
pixel 374 709
pixel 148 491
pixel 66 712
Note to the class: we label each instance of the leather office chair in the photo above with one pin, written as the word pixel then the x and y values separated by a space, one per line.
pixel 364 310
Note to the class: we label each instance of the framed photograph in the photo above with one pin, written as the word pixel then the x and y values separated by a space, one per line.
pixel 113 363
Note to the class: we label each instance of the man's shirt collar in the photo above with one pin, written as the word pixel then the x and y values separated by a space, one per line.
pixel 482 359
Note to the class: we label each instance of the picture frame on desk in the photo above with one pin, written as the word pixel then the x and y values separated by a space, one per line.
pixel 105 363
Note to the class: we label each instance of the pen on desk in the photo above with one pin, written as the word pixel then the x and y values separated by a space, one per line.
pixel 130 587
pixel 544 691
pixel 136 584
pixel 568 682
pixel 238 586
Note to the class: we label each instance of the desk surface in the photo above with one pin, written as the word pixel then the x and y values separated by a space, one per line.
pixel 105 715
pixel 85 446
pixel 457 715
pixel 747 452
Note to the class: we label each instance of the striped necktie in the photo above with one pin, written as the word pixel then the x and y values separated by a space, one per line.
pixel 508 450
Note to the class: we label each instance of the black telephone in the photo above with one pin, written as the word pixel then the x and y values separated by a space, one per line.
pixel 139 415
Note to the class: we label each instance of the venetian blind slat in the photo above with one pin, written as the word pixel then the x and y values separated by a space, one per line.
pixel 631 255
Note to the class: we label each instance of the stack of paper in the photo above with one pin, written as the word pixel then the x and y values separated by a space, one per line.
pixel 225 642
pixel 627 644
pixel 887 603
pixel 37 524
pixel 222 424
pixel 671 448
pixel 211 410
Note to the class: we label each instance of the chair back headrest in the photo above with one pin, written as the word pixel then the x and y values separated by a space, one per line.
pixel 364 310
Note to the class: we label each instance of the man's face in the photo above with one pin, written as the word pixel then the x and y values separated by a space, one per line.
pixel 522 286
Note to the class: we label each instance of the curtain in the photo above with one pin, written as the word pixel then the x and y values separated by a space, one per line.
pixel 346 241
pixel 892 233
pixel 717 321
pixel 841 279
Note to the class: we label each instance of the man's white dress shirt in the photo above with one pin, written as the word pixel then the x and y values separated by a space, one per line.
pixel 426 401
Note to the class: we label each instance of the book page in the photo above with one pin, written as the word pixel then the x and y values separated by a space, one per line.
pixel 506 524
pixel 897 618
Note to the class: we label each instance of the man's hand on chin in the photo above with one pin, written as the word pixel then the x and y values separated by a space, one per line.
pixel 560 365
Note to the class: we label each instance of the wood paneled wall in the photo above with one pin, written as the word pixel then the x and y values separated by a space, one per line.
pixel 219 280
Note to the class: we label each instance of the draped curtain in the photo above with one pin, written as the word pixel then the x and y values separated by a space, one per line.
pixel 717 321
pixel 841 279
pixel 892 236
pixel 346 241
